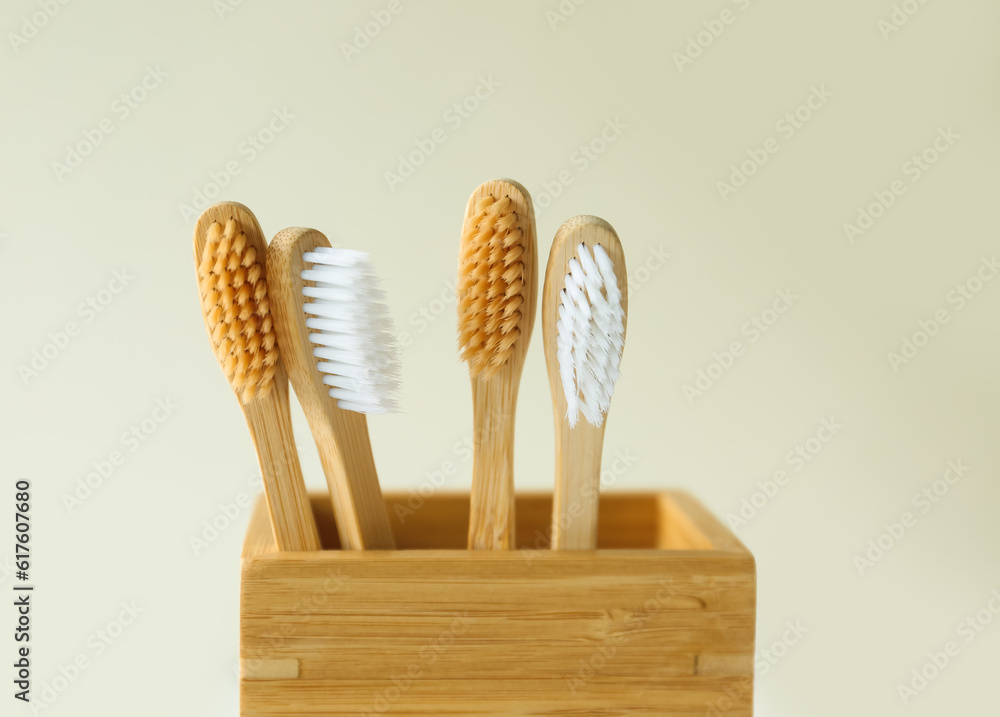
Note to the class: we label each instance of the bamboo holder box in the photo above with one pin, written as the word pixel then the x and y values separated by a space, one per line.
pixel 659 620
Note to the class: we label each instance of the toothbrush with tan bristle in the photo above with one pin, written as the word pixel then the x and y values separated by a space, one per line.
pixel 584 313
pixel 336 340
pixel 229 251
pixel 497 290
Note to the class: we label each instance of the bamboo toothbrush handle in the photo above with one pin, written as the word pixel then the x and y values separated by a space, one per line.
pixel 491 517
pixel 578 449
pixel 497 290
pixel 346 455
pixel 270 425
pixel 578 485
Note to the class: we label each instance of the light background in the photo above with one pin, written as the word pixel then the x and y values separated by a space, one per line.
pixel 561 77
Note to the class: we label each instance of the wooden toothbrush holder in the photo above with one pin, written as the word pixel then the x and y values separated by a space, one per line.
pixel 658 621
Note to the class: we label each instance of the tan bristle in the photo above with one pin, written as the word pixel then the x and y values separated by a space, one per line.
pixel 490 285
pixel 234 298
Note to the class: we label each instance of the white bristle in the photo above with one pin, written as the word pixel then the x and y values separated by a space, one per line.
pixel 590 335
pixel 351 330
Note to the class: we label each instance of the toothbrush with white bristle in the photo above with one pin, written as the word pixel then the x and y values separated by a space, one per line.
pixel 336 335
pixel 352 330
pixel 584 314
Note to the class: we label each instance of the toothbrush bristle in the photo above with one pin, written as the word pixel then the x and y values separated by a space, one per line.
pixel 351 330
pixel 490 285
pixel 233 290
pixel 590 335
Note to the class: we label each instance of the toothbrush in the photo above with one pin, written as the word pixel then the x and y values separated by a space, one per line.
pixel 584 312
pixel 229 251
pixel 336 338
pixel 497 288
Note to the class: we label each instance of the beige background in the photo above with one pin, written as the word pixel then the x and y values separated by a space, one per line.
pixel 562 75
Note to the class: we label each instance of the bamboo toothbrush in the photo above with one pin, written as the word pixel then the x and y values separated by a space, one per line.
pixel 497 288
pixel 229 251
pixel 584 312
pixel 336 338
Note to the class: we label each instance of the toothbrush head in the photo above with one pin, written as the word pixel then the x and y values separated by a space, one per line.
pixel 351 330
pixel 232 284
pixel 590 334
pixel 496 277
